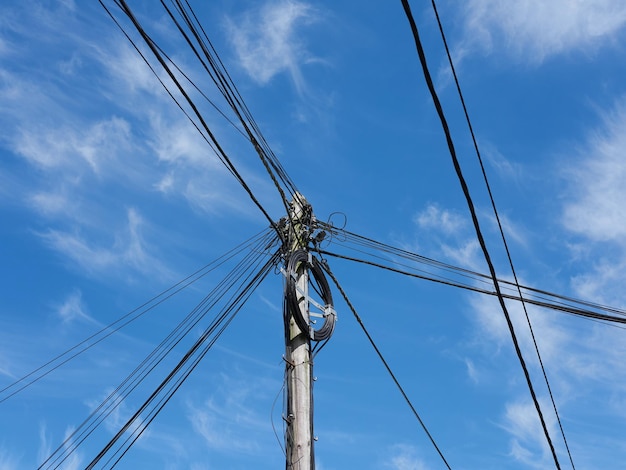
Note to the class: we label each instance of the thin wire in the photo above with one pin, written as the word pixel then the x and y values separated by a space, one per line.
pixel 495 211
pixel 382 358
pixel 161 297
pixel 587 314
pixel 348 239
pixel 134 379
pixel 224 83
pixel 280 392
pixel 223 321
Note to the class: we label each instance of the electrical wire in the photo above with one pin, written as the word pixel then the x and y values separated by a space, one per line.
pixel 475 222
pixel 296 264
pixel 386 364
pixel 223 81
pixel 194 355
pixel 218 149
pixel 448 274
pixel 500 228
pixel 125 320
pixel 587 314
pixel 244 269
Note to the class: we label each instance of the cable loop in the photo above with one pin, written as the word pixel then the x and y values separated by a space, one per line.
pixel 299 261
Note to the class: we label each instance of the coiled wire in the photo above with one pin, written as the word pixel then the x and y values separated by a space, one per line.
pixel 296 264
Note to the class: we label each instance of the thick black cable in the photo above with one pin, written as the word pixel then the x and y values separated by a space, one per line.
pixel 220 76
pixel 223 85
pixel 220 151
pixel 275 162
pixel 237 305
pixel 500 228
pixel 479 235
pixel 297 263
pixel 386 364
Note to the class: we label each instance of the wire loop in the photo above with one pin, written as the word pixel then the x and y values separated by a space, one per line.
pixel 299 261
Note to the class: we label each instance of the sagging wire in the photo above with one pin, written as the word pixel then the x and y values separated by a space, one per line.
pixel 123 321
pixel 179 374
pixel 386 364
pixel 216 146
pixel 244 268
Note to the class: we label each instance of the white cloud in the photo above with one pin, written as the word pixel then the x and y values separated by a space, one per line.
pixel 466 254
pixel 506 168
pixel 594 209
pixel 404 457
pixel 45 448
pixel 8 461
pixel 129 250
pixel 228 420
pixel 267 40
pixel 452 234
pixel 596 206
pixel 67 147
pixel 73 308
pixel 528 442
pixel 73 461
pixel 442 220
pixel 534 30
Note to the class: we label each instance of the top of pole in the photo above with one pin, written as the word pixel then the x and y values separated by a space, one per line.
pixel 301 216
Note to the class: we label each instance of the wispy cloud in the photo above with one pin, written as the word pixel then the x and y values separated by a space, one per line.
pixel 70 160
pixel 534 30
pixel 74 460
pixel 594 208
pixel 444 220
pixel 452 233
pixel 405 457
pixel 268 40
pixel 8 461
pixel 73 309
pixel 229 420
pixel 528 444
pixel 128 250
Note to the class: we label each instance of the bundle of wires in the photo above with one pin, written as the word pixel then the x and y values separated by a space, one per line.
pixel 231 294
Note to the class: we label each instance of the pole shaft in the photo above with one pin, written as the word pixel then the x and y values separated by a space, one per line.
pixel 299 372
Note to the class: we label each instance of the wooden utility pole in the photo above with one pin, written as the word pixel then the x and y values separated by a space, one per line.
pixel 299 366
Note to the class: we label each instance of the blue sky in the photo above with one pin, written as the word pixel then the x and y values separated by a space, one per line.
pixel 108 196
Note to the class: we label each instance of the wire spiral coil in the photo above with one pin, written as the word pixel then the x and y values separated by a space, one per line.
pixel 299 261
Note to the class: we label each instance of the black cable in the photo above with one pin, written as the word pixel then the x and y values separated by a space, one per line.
pixel 381 357
pixel 347 239
pixel 139 311
pixel 500 228
pixel 479 235
pixel 222 322
pixel 275 162
pixel 296 264
pixel 220 151
pixel 588 314
pixel 248 264
pixel 219 78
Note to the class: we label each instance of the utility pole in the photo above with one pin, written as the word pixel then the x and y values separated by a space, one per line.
pixel 299 367
pixel 304 307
